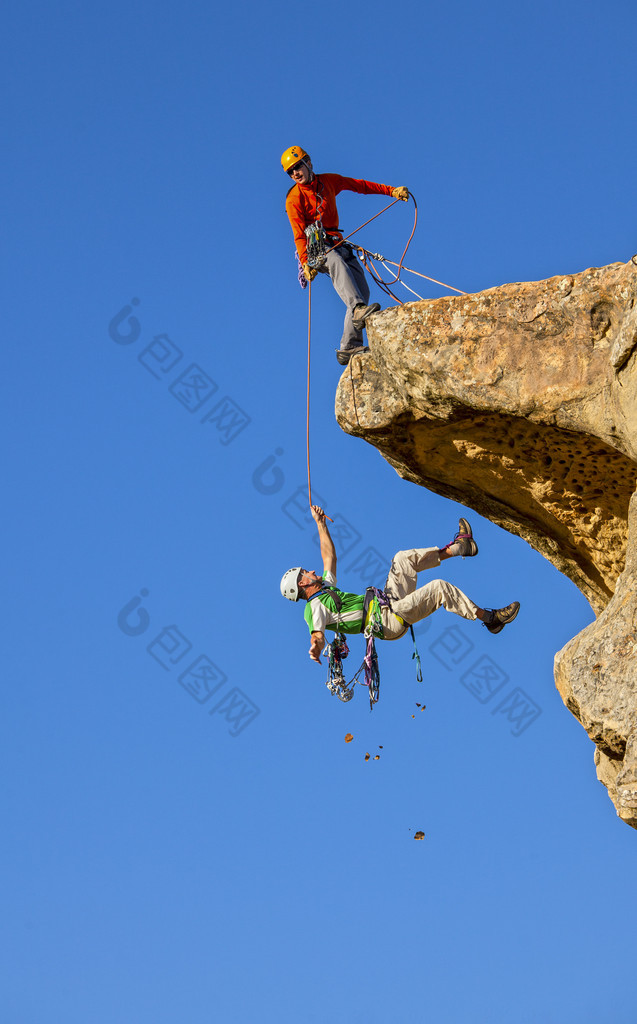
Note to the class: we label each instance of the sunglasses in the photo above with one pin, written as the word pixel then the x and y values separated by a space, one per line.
pixel 297 167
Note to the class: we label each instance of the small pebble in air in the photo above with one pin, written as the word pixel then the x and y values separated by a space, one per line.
pixel 348 737
pixel 419 835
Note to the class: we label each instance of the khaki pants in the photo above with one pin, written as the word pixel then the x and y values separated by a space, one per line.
pixel 414 604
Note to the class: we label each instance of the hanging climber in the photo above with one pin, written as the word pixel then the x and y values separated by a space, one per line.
pixel 328 607
pixel 311 208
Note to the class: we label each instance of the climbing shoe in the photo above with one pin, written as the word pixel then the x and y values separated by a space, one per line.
pixel 463 543
pixel 497 618
pixel 361 312
pixel 343 355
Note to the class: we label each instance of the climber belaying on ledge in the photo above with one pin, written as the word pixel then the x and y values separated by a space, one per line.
pixel 328 607
pixel 311 208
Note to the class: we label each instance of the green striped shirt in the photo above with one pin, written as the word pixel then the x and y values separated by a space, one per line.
pixel 321 613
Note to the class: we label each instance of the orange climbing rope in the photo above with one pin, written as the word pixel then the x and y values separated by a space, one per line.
pixel 309 329
pixel 307 432
pixel 384 285
pixel 360 226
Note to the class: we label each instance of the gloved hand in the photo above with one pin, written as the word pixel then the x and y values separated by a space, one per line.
pixel 309 273
pixel 402 192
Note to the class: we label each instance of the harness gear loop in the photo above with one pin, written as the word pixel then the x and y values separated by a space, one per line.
pixel 316 240
pixel 374 600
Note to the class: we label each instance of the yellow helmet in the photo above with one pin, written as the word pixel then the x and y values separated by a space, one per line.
pixel 292 157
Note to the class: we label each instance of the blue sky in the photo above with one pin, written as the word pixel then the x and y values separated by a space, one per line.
pixel 165 857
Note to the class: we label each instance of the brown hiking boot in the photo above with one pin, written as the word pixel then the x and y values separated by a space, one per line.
pixel 501 617
pixel 463 542
pixel 361 312
pixel 343 355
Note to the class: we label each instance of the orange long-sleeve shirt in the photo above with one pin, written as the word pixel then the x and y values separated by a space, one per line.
pixel 307 203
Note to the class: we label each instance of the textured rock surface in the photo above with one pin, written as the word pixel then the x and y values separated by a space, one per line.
pixel 521 402
pixel 596 675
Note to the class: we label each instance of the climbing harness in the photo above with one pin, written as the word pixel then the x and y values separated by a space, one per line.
pixel 337 650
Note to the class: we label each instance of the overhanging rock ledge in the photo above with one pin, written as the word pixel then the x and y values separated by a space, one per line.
pixel 521 402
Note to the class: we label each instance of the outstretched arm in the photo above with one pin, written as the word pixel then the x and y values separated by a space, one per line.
pixel 342 184
pixel 317 643
pixel 328 551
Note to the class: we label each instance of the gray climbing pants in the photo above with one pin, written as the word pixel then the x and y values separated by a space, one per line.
pixel 350 283
pixel 413 604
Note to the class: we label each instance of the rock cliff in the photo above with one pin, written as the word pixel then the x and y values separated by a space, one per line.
pixel 521 402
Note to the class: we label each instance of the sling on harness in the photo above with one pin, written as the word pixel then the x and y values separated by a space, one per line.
pixel 375 599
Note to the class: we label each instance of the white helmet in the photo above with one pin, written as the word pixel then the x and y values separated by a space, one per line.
pixel 290 584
